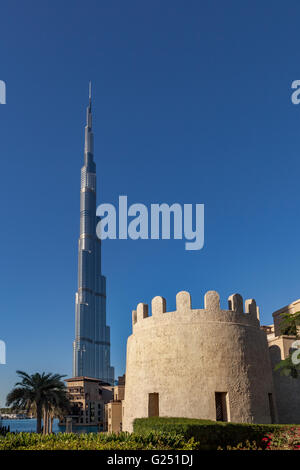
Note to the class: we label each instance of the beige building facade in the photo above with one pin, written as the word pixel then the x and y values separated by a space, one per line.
pixel 113 409
pixel 88 397
pixel 287 388
pixel 206 363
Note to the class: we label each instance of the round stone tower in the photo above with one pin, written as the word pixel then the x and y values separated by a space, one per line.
pixel 198 363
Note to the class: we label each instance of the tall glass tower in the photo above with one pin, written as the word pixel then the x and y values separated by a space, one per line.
pixel 91 348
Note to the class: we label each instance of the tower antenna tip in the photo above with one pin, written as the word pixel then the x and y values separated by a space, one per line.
pixel 90 90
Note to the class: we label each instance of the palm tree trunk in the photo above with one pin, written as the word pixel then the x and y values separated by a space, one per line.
pixel 51 423
pixel 38 419
pixel 44 421
pixel 47 422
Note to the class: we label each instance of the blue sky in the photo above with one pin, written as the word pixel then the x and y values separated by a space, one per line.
pixel 191 105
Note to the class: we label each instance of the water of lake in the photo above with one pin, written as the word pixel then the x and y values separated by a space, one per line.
pixel 29 425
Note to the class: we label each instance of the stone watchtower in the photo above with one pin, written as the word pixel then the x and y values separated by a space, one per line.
pixel 199 363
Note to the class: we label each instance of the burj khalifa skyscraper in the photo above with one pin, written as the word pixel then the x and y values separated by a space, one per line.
pixel 91 348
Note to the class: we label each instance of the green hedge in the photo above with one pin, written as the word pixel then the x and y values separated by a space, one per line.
pixel 152 440
pixel 209 434
pixel 149 433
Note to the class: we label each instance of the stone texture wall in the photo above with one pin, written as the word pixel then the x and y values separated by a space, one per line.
pixel 187 355
pixel 287 389
pixel 113 413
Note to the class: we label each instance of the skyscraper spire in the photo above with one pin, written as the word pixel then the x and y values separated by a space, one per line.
pixel 89 137
pixel 91 348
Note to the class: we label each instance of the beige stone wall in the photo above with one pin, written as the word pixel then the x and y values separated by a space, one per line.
pixel 114 416
pixel 287 389
pixel 187 355
pixel 119 392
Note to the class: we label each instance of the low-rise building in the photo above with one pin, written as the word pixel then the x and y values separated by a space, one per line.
pixel 287 388
pixel 113 409
pixel 88 397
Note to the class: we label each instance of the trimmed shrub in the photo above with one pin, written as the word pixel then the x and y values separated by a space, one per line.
pixel 92 441
pixel 210 435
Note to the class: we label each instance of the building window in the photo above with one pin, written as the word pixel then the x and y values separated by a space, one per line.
pixel 271 406
pixel 221 406
pixel 153 404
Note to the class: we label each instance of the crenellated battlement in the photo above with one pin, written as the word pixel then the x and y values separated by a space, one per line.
pixel 194 362
pixel 236 308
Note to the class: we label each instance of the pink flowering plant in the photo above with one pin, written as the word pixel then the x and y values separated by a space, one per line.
pixel 288 439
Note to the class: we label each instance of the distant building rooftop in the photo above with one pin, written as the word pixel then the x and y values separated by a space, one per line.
pixel 87 379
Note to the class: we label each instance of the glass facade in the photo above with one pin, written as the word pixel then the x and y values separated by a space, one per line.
pixel 91 348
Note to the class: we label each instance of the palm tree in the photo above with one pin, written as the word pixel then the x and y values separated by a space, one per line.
pixel 38 392
pixel 287 367
pixel 290 325
pixel 58 405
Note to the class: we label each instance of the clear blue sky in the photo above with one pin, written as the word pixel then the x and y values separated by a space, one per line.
pixel 191 105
